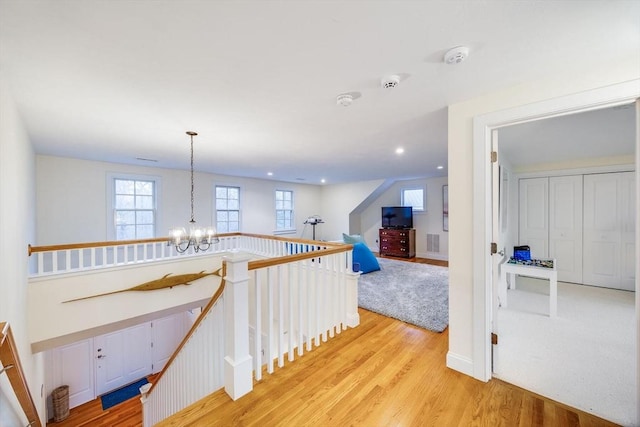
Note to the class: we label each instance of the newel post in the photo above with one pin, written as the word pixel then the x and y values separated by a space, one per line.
pixel 353 317
pixel 238 379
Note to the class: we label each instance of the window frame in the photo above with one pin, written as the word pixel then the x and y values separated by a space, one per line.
pixel 292 228
pixel 424 197
pixel 215 206
pixel 112 233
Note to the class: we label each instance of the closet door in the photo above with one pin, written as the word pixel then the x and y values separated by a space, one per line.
pixel 534 216
pixel 72 365
pixel 608 230
pixel 166 335
pixel 628 229
pixel 565 226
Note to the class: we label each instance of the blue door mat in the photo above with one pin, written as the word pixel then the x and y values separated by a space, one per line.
pixel 120 395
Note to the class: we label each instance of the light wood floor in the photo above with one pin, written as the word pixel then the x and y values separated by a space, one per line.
pixel 382 373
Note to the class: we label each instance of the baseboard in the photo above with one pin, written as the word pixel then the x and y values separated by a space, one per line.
pixel 460 363
pixel 432 255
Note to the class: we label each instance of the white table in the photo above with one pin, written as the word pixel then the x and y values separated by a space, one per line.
pixel 532 271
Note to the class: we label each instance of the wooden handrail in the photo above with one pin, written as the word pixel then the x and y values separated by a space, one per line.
pixel 85 245
pixel 12 367
pixel 270 262
pixel 222 273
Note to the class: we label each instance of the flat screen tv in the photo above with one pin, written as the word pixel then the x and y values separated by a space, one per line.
pixel 397 217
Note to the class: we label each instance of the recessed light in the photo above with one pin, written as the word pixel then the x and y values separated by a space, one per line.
pixel 399 150
pixel 323 180
pixel 270 173
pixel 440 167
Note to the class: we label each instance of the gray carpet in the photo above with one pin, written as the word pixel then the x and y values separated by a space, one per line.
pixel 407 291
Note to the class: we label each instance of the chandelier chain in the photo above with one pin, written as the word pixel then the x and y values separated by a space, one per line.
pixel 192 218
pixel 198 239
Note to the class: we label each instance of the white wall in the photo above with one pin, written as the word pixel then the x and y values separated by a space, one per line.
pixel 338 201
pixel 424 222
pixel 72 200
pixel 17 224
pixel 460 166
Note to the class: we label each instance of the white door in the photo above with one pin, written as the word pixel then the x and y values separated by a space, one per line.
pixel 166 334
pixel 609 229
pixel 534 216
pixel 497 198
pixel 565 226
pixel 122 357
pixel 73 366
pixel 628 258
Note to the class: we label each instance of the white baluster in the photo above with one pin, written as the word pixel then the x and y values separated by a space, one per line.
pixel 291 315
pixel 280 290
pixel 269 321
pixel 310 303
pixel 258 331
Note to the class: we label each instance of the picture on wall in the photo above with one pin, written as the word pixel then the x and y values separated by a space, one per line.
pixel 445 207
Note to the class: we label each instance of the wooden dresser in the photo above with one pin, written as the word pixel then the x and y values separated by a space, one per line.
pixel 398 243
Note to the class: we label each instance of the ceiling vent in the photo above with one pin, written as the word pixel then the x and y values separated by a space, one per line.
pixel 390 82
pixel 456 55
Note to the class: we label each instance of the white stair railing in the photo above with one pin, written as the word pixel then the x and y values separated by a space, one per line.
pixel 214 354
pixel 299 305
pixel 293 300
pixel 295 294
pixel 58 259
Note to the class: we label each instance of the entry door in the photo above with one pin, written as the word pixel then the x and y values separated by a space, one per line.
pixel 122 357
pixel 609 227
pixel 565 226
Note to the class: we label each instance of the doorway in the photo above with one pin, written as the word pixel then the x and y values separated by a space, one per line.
pixel 623 93
pixel 563 358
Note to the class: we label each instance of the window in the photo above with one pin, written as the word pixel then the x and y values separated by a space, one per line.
pixel 414 197
pixel 227 209
pixel 134 208
pixel 284 210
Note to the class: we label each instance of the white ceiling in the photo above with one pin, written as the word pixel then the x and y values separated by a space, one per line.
pixel 601 133
pixel 258 80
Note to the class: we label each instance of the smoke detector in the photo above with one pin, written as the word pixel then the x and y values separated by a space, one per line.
pixel 390 82
pixel 456 55
pixel 344 99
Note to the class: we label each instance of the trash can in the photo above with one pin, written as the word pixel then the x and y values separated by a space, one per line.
pixel 60 397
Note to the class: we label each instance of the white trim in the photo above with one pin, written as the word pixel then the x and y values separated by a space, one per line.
pixel 287 231
pixel 460 363
pixel 579 171
pixel 431 255
pixel 618 94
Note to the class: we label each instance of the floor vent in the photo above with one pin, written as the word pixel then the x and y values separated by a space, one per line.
pixel 433 243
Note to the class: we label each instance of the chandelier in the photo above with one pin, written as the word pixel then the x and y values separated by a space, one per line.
pixel 200 239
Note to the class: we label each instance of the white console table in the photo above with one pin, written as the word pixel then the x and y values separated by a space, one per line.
pixel 532 271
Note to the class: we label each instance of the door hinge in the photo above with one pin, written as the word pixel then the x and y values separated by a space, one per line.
pixel 494 339
pixel 152 344
pixel 494 156
pixel 494 248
